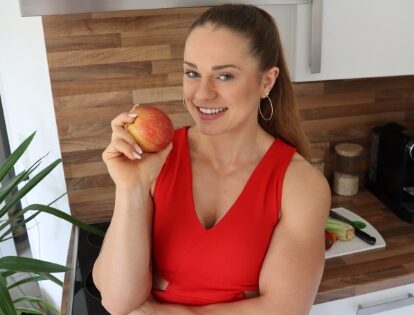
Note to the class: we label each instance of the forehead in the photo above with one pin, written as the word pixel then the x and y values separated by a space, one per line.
pixel 216 45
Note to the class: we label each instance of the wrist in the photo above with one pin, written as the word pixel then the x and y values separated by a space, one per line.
pixel 142 185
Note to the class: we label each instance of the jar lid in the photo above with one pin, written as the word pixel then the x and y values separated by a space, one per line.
pixel 317 155
pixel 349 149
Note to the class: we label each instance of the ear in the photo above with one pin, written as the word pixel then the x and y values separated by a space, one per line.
pixel 268 80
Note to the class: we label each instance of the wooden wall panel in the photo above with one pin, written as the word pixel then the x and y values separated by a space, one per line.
pixel 102 63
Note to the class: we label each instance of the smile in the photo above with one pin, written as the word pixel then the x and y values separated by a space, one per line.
pixel 210 111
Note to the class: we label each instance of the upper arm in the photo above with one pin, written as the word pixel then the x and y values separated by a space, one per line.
pixel 294 262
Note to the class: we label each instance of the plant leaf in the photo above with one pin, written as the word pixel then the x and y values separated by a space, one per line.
pixel 52 278
pixel 6 303
pixel 27 280
pixel 66 217
pixel 25 264
pixel 35 278
pixel 27 310
pixel 19 214
pixel 61 196
pixel 14 227
pixel 7 274
pixel 15 156
pixel 12 184
pixel 26 188
pixel 44 304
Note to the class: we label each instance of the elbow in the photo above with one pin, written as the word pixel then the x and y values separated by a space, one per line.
pixel 123 302
pixel 116 300
pixel 121 305
pixel 114 308
pixel 271 304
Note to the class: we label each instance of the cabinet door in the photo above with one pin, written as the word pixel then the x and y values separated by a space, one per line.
pixel 285 18
pixel 369 38
pixel 394 301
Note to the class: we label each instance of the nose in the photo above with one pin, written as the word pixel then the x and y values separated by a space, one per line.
pixel 205 90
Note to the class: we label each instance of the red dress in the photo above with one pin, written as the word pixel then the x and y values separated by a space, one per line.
pixel 206 266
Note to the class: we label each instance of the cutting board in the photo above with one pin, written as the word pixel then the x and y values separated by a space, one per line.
pixel 355 245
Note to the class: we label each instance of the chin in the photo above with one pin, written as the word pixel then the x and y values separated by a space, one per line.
pixel 215 129
pixel 209 130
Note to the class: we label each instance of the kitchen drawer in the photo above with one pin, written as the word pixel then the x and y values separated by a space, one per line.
pixel 380 302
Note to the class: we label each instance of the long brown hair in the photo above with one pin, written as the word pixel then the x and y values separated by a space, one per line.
pixel 260 29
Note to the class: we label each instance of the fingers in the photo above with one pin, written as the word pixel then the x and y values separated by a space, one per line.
pixel 122 141
pixel 124 118
pixel 123 134
pixel 133 152
pixel 118 148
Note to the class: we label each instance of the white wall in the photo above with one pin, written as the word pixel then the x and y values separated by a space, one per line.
pixel 27 101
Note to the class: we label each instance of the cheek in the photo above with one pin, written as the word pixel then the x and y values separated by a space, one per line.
pixel 246 92
pixel 189 89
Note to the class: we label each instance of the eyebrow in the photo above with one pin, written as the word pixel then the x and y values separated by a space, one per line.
pixel 214 67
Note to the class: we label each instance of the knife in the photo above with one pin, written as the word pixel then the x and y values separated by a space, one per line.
pixel 358 232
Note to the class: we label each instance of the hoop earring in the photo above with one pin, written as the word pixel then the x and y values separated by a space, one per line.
pixel 271 109
pixel 184 104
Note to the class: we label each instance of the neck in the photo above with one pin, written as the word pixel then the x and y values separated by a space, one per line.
pixel 228 150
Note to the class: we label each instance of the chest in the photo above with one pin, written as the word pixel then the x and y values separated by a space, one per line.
pixel 214 193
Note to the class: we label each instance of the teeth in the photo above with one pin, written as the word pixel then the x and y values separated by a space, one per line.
pixel 210 110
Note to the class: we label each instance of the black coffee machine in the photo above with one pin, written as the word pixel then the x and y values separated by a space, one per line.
pixel 391 169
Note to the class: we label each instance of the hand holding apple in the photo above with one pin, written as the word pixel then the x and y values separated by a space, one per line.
pixel 152 129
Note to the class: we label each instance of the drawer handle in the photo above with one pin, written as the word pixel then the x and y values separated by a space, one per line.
pixel 392 305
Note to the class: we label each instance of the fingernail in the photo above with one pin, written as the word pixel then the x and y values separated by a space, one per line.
pixel 136 155
pixel 132 114
pixel 138 149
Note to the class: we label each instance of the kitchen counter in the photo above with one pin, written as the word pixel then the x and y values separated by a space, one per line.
pixel 354 274
pixel 373 270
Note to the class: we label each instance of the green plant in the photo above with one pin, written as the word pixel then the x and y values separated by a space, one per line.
pixel 10 196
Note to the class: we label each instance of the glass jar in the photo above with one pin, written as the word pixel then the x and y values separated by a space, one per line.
pixel 347 164
pixel 317 159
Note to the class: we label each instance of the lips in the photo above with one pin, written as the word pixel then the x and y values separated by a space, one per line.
pixel 210 113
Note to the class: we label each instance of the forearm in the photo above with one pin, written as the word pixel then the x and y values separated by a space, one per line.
pixel 257 306
pixel 122 271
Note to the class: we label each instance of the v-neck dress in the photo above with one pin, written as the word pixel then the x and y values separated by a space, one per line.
pixel 215 265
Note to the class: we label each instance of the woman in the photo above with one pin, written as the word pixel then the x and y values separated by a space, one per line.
pixel 230 218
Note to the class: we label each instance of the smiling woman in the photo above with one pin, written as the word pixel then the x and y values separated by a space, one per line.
pixel 230 218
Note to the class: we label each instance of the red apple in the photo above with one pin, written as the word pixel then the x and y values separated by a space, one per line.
pixel 152 129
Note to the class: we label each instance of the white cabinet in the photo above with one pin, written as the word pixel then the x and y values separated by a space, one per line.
pixel 395 301
pixel 360 38
pixel 285 17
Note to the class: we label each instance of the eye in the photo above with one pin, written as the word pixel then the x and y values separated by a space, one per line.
pixel 225 77
pixel 191 74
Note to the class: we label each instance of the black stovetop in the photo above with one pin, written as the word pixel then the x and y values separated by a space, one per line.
pixel 86 298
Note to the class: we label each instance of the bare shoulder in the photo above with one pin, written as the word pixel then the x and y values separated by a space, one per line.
pixel 303 177
pixel 305 190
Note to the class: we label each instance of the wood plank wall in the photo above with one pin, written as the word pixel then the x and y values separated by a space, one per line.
pixel 102 63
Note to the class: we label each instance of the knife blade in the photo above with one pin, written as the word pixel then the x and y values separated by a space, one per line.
pixel 358 232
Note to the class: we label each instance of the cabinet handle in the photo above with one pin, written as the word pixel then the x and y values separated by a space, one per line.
pixel 392 305
pixel 316 37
